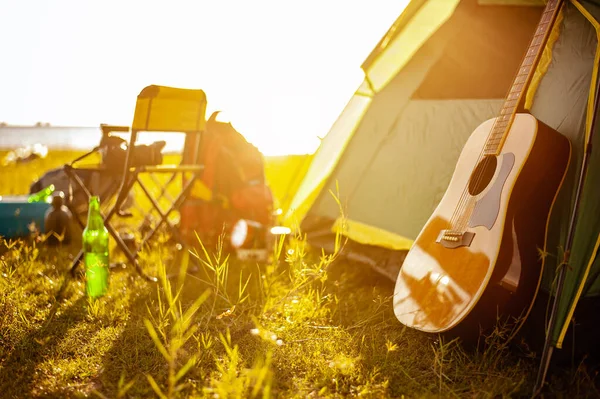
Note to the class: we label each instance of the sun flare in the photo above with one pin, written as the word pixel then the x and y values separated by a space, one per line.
pixel 282 70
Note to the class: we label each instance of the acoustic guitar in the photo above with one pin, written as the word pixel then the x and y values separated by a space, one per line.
pixel 477 259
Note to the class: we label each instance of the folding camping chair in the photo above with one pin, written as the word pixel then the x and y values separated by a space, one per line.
pixel 159 109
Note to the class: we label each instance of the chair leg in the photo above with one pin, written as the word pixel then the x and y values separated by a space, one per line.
pixel 163 216
pixel 75 263
pixel 81 186
pixel 128 181
pixel 130 256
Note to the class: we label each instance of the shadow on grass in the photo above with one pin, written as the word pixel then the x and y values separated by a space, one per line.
pixel 132 354
pixel 18 373
pixel 387 351
pixel 416 363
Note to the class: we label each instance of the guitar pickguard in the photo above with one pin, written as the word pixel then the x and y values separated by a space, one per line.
pixel 487 207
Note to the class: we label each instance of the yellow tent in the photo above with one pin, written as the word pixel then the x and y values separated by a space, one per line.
pixel 442 68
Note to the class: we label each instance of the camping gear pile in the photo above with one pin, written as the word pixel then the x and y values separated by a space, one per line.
pixel 231 202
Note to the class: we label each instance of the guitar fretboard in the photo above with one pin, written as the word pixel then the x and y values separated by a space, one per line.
pixel 503 122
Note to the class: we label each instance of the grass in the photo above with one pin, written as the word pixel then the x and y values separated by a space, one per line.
pixel 306 324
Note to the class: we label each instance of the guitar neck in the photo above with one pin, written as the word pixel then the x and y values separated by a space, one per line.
pixel 525 73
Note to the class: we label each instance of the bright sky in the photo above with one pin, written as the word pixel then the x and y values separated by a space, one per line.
pixel 281 70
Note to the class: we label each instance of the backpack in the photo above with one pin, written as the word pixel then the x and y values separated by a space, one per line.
pixel 232 186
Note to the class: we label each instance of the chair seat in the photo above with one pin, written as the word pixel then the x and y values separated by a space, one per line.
pixel 172 168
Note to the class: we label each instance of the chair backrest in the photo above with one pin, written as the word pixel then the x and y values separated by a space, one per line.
pixel 172 110
pixel 169 109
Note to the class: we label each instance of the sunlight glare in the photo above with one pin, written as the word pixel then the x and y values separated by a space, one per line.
pixel 282 70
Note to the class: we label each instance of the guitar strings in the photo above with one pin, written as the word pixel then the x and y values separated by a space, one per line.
pixel 467 201
pixel 462 212
pixel 459 216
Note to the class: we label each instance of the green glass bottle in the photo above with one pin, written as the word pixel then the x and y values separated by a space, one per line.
pixel 43 195
pixel 95 251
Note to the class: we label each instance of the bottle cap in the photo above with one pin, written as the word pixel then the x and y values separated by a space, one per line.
pixel 58 199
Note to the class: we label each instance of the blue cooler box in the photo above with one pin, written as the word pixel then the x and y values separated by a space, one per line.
pixel 16 215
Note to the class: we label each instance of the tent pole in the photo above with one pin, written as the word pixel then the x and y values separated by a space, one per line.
pixel 548 346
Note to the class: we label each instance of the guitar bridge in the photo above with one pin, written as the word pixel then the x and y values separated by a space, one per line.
pixel 454 239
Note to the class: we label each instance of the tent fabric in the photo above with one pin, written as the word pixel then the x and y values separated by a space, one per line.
pixel 398 131
pixel 395 161
pixel 422 24
pixel 392 159
pixel 370 235
pixel 326 157
pixel 487 47
pixel 419 20
pixel 587 234
pixel 544 61
pixel 569 77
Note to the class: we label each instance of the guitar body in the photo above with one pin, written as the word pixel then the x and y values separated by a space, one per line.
pixel 496 268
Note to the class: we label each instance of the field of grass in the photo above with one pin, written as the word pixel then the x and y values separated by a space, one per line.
pixel 305 324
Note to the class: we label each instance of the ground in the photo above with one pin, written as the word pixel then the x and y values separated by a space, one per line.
pixel 304 324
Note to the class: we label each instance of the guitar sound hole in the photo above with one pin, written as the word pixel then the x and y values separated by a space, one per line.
pixel 482 175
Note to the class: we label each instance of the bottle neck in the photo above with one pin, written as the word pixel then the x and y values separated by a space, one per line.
pixel 95 220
